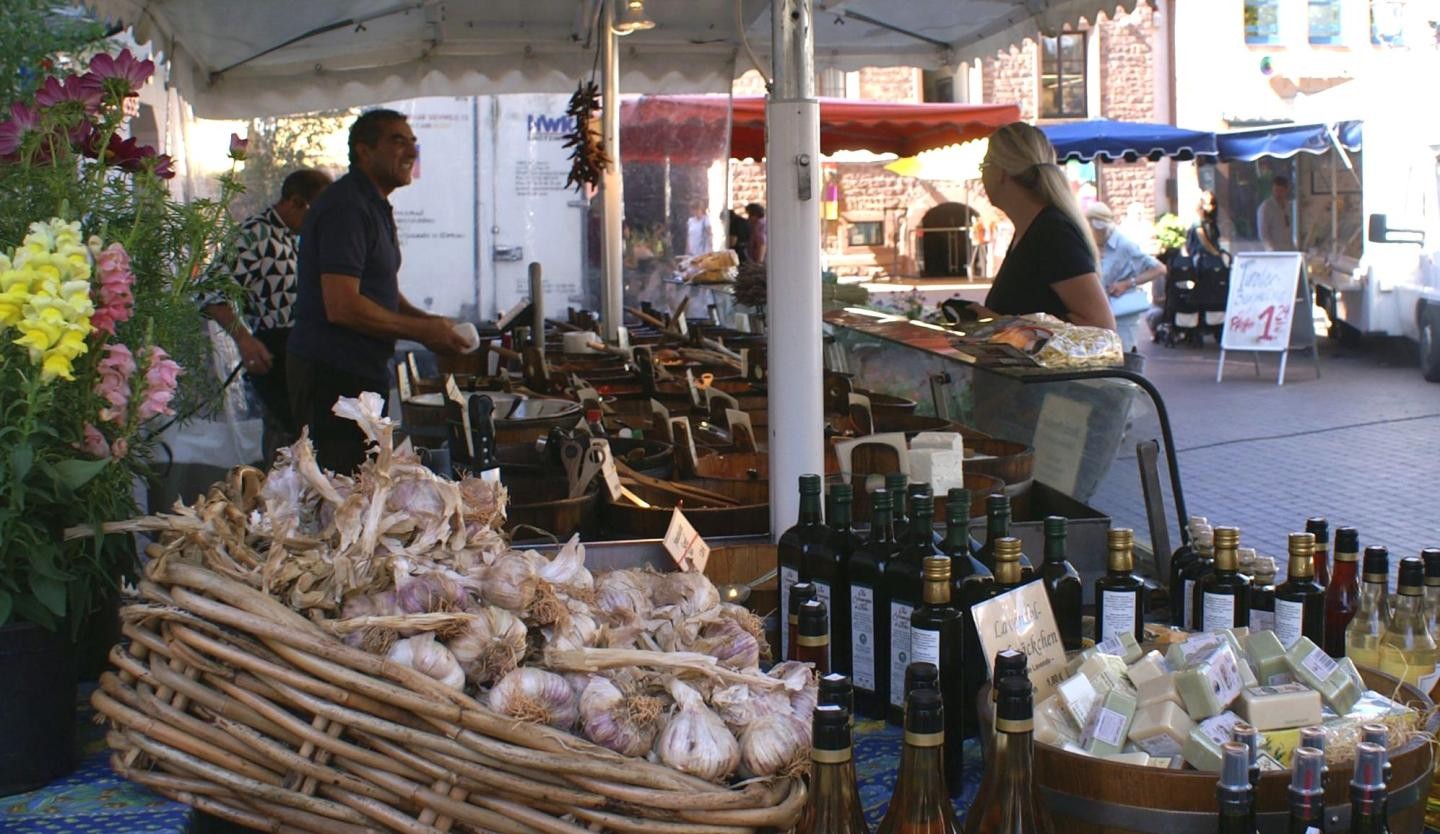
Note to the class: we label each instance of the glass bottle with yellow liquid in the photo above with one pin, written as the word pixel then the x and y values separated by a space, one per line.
pixel 1407 650
pixel 1362 636
pixel 1430 556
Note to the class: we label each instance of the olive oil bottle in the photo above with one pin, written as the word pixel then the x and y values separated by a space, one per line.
pixel 1119 594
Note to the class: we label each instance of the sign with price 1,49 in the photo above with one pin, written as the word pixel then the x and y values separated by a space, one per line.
pixel 1261 303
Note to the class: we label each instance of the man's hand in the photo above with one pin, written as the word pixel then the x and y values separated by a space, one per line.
pixel 439 335
pixel 256 356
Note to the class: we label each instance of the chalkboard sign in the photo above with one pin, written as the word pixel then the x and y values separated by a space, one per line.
pixel 1261 305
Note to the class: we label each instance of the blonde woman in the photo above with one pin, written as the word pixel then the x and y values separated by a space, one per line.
pixel 1052 264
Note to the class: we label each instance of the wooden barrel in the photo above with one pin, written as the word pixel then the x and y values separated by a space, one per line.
pixel 1092 796
pixel 533 418
pixel 889 405
pixel 979 485
pixel 543 502
pixel 624 520
pixel 648 457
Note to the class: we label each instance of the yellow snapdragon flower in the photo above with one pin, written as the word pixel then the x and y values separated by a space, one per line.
pixel 45 294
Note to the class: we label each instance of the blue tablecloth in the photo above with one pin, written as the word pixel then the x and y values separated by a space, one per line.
pixel 877 759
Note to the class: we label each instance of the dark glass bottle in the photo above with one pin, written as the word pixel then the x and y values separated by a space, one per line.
pixel 836 689
pixel 905 587
pixel 1184 555
pixel 935 637
pixel 800 593
pixel 997 525
pixel 833 806
pixel 1368 791
pixel 897 484
pixel 1300 600
pixel 827 569
pixel 1007 578
pixel 965 569
pixel 813 645
pixel 1202 566
pixel 796 544
pixel 870 611
pixel 1062 584
pixel 921 676
pixel 913 491
pixel 1342 594
pixel 1119 594
pixel 1307 792
pixel 1250 737
pixel 1233 794
pixel 1222 598
pixel 1014 806
pixel 1320 529
pixel 957 512
pixel 921 802
pixel 1262 594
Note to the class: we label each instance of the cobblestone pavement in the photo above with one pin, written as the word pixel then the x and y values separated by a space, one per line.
pixel 1359 445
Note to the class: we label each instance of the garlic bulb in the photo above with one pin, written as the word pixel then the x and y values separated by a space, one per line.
pixel 510 583
pixel 694 593
pixel 623 596
pixel 739 705
pixel 369 605
pixel 567 569
pixel 428 590
pixel 728 642
pixel 746 619
pixel 611 719
pixel 695 740
pixel 535 695
pixel 773 744
pixel 801 684
pixel 428 657
pixel 576 630
pixel 491 645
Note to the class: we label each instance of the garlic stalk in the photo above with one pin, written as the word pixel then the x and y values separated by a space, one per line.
pixel 428 657
pixel 695 740
pixel 531 694
pixel 611 719
pixel 774 744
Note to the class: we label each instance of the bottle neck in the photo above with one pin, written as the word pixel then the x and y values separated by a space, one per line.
pixel 997 526
pixel 1367 815
pixel 1404 605
pixel 937 592
pixel 1344 572
pixel 921 784
pixel 921 529
pixel 809 508
pixel 1013 752
pixel 1372 591
pixel 1054 548
pixel 833 785
pixel 882 527
pixel 957 536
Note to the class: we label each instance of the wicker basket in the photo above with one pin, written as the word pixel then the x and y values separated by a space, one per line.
pixel 227 700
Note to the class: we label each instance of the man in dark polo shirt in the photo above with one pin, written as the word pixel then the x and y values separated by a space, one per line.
pixel 349 310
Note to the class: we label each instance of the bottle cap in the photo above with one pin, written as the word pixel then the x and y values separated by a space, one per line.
pixel 936 569
pixel 924 718
pixel 1369 767
pixel 1431 557
pixel 896 481
pixel 1204 537
pixel 1377 563
pixel 1318 527
pixel 1227 537
pixel 997 503
pixel 1235 770
pixel 957 504
pixel 1054 526
pixel 1308 779
pixel 1119 544
pixel 1008 663
pixel 1302 544
pixel 1118 537
pixel 1264 568
pixel 800 592
pixel 809 484
pixel 1377 734
pixel 921 503
pixel 1007 549
pixel 1313 737
pixel 921 675
pixel 1412 576
pixel 1250 737
pixel 842 493
pixel 1197 521
pixel 880 500
pixel 1012 699
pixel 831 724
pixel 836 688
pixel 814 620
pixel 1347 540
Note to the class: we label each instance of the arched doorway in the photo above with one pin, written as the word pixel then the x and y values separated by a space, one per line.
pixel 945 240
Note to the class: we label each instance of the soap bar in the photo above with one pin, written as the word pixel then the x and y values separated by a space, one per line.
pixel 1122 645
pixel 1077 694
pixel 1160 729
pixel 941 468
pixel 1141 759
pixel 1267 654
pixel 1109 724
pixel 1210 686
pixel 1280 707
pixel 1074 748
pixel 1072 665
pixel 1147 668
pixel 1182 656
pixel 1202 747
pixel 951 440
pixel 1053 724
pixel 1106 672
pixel 1157 690
pixel 1335 681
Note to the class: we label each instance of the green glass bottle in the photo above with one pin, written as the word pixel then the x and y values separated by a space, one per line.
pixel 870 611
pixel 1062 584
pixel 801 545
pixel 1119 594
pixel 905 587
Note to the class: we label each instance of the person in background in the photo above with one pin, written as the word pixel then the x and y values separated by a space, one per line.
pixel 698 239
pixel 263 263
pixel 1123 268
pixel 1051 265
pixel 349 309
pixel 1273 218
pixel 737 235
pixel 759 234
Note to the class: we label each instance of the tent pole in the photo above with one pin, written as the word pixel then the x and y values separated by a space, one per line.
pixel 612 206
pixel 792 164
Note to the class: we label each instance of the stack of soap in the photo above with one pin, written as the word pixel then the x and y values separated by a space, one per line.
pixel 938 459
pixel 1077 695
pixel 1106 672
pixel 1208 687
pixel 1161 728
pixel 1267 655
pixel 1337 682
pixel 1202 746
pixel 1182 656
pixel 1053 724
pixel 1290 705
pixel 1109 724
pixel 1122 645
pixel 1134 758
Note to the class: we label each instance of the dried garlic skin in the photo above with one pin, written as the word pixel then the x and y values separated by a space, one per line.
pixel 773 744
pixel 491 645
pixel 428 657
pixel 693 593
pixel 510 583
pixel 531 694
pixel 695 740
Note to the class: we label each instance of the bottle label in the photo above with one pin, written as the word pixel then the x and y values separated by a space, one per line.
pixel 1289 621
pixel 862 635
pixel 1110 645
pixel 1189 603
pixel 899 650
pixel 1219 612
pixel 822 593
pixel 925 646
pixel 788 577
pixel 1261 620
pixel 1119 615
pixel 1319 664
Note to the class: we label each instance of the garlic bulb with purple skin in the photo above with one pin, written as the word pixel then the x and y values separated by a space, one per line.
pixel 773 744
pixel 536 695
pixel 491 645
pixel 428 657
pixel 695 740
pixel 611 719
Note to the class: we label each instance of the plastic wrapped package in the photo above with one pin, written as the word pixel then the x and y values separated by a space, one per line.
pixel 1074 346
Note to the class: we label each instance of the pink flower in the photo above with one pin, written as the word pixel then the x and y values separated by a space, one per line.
pixel 127 153
pixel 114 302
pixel 164 167
pixel 121 75
pixel 93 443
pixel 120 448
pixel 113 386
pixel 238 147
pixel 161 375
pixel 22 122
pixel 82 89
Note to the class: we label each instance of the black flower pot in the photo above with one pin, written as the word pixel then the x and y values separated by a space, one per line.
pixel 37 707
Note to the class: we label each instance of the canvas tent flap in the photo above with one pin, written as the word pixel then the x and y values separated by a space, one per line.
pixel 271 57
pixel 1113 141
pixel 1284 141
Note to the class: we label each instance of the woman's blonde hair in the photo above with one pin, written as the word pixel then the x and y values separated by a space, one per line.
pixel 1023 151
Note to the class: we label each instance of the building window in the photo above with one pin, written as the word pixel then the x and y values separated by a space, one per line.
pixel 1387 22
pixel 1325 21
pixel 1062 76
pixel 1262 21
pixel 867 233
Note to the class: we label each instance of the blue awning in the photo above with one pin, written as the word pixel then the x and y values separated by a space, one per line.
pixel 1285 141
pixel 1112 141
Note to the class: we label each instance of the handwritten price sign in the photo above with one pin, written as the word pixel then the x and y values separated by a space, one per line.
pixel 1261 303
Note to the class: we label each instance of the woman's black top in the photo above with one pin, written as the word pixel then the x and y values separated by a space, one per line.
pixel 1050 251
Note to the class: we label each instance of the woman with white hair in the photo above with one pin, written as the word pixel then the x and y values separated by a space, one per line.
pixel 1124 267
pixel 1052 264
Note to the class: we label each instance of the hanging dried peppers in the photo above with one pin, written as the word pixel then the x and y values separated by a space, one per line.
pixel 587 152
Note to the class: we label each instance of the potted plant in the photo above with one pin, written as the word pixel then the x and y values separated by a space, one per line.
pixel 100 271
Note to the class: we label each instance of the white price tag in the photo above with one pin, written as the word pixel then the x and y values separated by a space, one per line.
pixel 452 390
pixel 601 454
pixel 684 544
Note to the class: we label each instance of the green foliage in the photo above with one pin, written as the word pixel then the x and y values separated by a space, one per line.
pixel 37 36
pixel 281 145
pixel 1169 232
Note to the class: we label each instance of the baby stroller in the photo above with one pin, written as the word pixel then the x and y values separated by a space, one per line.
pixel 1196 290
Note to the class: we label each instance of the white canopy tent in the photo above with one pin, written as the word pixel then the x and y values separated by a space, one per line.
pixel 232 59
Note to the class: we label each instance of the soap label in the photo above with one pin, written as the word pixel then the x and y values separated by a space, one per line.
pixel 1159 745
pixel 1119 616
pixel 899 650
pixel 1319 664
pixel 862 636
pixel 788 577
pixel 1105 725
pixel 925 647
pixel 822 593
pixel 1218 728
pixel 1110 645
pixel 1289 617
pixel 1219 612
